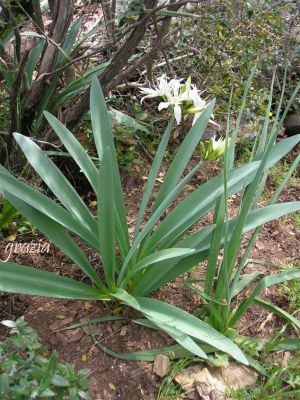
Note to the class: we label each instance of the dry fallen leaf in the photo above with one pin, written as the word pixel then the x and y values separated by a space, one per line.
pixel 88 306
pixel 112 386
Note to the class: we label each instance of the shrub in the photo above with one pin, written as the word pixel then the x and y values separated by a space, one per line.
pixel 26 374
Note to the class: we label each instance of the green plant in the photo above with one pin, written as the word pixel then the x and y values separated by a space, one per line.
pixel 26 374
pixel 227 38
pixel 225 279
pixel 291 291
pixel 12 221
pixel 277 173
pixel 282 382
pixel 160 250
pixel 7 215
pixel 168 390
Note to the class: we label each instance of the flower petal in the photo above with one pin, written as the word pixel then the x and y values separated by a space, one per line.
pixel 163 105
pixel 177 113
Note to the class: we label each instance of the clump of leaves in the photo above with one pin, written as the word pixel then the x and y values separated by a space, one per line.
pixel 7 214
pixel 168 389
pixel 282 382
pixel 11 221
pixel 228 37
pixel 26 374
pixel 292 291
pixel 4 108
pixel 226 279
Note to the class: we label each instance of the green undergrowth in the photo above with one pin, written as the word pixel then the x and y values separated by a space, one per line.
pixel 28 372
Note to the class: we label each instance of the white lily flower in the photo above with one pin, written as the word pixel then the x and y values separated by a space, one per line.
pixel 182 97
pixel 175 86
pixel 176 103
pixel 161 90
pixel 170 92
pixel 217 144
pixel 198 103
pixel 174 99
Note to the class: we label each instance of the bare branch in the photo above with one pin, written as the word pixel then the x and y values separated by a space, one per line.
pixel 119 60
pixel 60 27
pixel 15 95
pixel 38 17
pixel 66 66
pixel 10 18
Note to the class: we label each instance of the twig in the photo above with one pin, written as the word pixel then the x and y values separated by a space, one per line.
pixel 49 39
pixel 48 143
pixel 15 93
pixel 129 85
pixel 140 144
pixel 171 70
pixel 163 63
pixel 157 46
pixel 10 18
pixel 38 17
pixel 75 60
pixel 150 12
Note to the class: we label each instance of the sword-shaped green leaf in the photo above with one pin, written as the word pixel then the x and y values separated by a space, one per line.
pixel 16 278
pixel 56 182
pixel 264 283
pixel 75 149
pixel 106 217
pixel 103 138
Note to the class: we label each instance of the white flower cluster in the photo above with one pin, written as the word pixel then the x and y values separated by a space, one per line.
pixel 184 98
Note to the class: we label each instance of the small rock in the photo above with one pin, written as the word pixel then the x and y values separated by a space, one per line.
pixel 117 325
pixel 259 246
pixel 123 331
pixel 200 380
pixel 209 387
pixel 286 357
pixel 292 124
pixel 91 330
pixel 76 335
pixel 237 376
pixel 59 324
pixel 85 342
pixel 213 383
pixel 161 365
pixel 53 340
pixel 112 386
pixel 62 339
